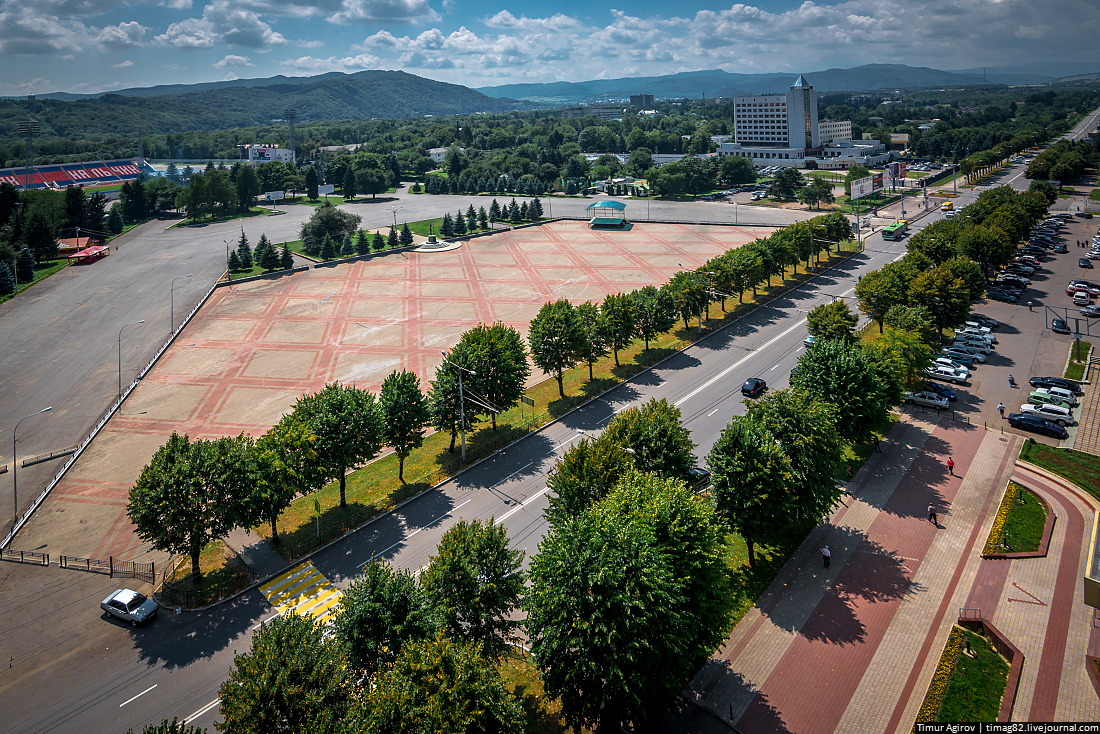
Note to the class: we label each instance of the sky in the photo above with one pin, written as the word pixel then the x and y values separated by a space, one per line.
pixel 99 45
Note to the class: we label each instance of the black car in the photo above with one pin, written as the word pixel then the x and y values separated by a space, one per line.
pixel 754 387
pixel 985 320
pixel 1002 297
pixel 1035 424
pixel 941 390
pixel 1061 249
pixel 1085 263
pixel 1071 385
pixel 1084 215
pixel 1059 326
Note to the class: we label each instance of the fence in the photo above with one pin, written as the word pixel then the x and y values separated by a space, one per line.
pixel 111 567
pixel 41 559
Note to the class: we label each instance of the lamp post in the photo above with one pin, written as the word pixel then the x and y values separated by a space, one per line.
pixel 699 313
pixel 132 323
pixel 14 468
pixel 172 300
pixel 228 271
pixel 461 400
pixel 394 209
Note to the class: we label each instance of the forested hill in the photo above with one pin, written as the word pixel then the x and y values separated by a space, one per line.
pixel 364 95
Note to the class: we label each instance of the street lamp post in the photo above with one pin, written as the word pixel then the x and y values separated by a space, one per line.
pixel 172 300
pixel 132 323
pixel 394 209
pixel 228 271
pixel 461 400
pixel 15 465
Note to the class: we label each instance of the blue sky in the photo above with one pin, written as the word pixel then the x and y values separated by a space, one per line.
pixel 97 45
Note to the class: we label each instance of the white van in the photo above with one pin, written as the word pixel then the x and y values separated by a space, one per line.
pixel 1061 393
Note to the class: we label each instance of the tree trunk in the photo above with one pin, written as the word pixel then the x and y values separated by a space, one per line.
pixel 749 546
pixel 274 530
pixel 616 351
pixel 454 435
pixel 590 377
pixel 343 485
pixel 196 572
pixel 494 417
pixel 561 387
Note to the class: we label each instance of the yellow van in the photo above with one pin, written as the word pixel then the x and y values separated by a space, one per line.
pixel 947 206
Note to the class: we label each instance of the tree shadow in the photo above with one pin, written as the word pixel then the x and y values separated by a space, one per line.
pixel 186 638
pixel 701 712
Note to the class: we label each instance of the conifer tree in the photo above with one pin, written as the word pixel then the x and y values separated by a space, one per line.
pixel 362 244
pixel 244 252
pixel 406 235
pixel 234 261
pixel 392 239
pixel 328 250
pixel 378 242
pixel 347 249
pixel 286 259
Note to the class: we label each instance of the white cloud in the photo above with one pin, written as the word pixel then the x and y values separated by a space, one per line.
pixel 309 44
pixel 123 35
pixel 123 64
pixel 221 23
pixel 233 61
pixel 385 11
pixel 311 64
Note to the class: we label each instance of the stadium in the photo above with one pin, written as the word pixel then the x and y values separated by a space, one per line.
pixel 61 176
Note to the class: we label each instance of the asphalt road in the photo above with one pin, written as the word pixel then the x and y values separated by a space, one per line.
pixel 103 676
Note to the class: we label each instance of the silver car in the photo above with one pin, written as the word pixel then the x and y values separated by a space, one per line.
pixel 130 606
pixel 927 399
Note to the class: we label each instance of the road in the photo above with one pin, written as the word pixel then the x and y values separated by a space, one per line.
pixel 104 676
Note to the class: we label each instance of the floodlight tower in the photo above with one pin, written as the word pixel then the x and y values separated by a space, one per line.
pixel 141 142
pixel 291 114
pixel 28 130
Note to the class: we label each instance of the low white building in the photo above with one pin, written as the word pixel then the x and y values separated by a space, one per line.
pixel 258 154
pixel 439 154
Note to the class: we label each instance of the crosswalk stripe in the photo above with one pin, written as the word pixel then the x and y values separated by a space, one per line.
pixel 305 591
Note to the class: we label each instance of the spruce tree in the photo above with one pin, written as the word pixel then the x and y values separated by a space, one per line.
pixel 523 212
pixel 261 249
pixel 447 228
pixel 349 184
pixel 535 210
pixel 347 249
pixel 24 266
pixel 494 211
pixel 286 259
pixel 270 259
pixel 234 262
pixel 482 218
pixel 513 212
pixel 471 217
pixel 378 242
pixel 392 240
pixel 244 252
pixel 460 224
pixel 362 244
pixel 328 250
pixel 7 280
pixel 114 221
pixel 406 235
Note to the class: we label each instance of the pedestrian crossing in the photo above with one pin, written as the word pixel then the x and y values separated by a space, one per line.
pixel 303 590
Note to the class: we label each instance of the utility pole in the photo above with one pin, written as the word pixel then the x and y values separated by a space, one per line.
pixel 28 130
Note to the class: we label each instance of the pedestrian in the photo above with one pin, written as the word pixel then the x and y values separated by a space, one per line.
pixel 826 556
pixel 1011 381
pixel 1029 305
pixel 932 515
pixel 1001 409
pixel 950 466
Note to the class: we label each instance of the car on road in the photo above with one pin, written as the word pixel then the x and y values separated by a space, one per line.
pixel 809 341
pixel 1061 249
pixel 942 390
pixel 947 374
pixel 926 399
pixel 1059 326
pixel 1054 413
pixel 1083 262
pixel 1091 311
pixel 1084 215
pixel 1071 385
pixel 130 606
pixel 1037 424
pixel 754 387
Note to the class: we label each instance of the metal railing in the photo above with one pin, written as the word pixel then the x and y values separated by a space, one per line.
pixel 111 567
pixel 41 559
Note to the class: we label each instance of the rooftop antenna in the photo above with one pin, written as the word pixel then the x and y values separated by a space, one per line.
pixel 290 115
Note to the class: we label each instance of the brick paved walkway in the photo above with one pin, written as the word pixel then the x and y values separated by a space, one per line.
pixel 1088 422
pixel 853 648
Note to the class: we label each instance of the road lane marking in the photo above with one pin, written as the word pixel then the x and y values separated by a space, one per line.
pixel 138 695
pixel 201 711
pixel 739 362
pixel 517 471
pixel 774 366
pixel 410 535
pixel 303 590
pixel 713 412
pixel 526 502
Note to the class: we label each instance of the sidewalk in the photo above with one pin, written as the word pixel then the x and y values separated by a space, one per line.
pixel 256 552
pixel 853 648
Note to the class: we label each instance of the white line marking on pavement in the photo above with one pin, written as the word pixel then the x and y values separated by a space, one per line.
pixel 564 443
pixel 517 471
pixel 410 535
pixel 201 711
pixel 526 502
pixel 739 362
pixel 273 616
pixel 138 695
pixel 774 366
pixel 712 412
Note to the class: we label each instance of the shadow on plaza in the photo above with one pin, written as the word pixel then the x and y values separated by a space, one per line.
pixel 176 641
pixel 716 683
pixel 863 572
pixel 919 486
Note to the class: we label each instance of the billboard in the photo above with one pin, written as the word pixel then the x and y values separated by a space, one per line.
pixel 273 195
pixel 863 187
pixel 326 189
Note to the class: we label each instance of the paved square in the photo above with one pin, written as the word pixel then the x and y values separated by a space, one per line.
pixel 255 347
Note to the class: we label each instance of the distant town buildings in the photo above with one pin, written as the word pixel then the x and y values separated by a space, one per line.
pixel 642 100
pixel 258 154
pixel 604 112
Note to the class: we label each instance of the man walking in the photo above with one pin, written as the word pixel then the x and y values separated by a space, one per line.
pixel 1001 409
pixel 826 556
pixel 950 466
pixel 932 515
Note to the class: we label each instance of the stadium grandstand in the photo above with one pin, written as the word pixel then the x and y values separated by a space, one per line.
pixel 61 176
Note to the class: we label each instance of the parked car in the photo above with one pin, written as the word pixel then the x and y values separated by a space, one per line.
pixel 1077 283
pixel 809 341
pixel 1044 398
pixel 1083 262
pixel 1091 311
pixel 1013 278
pixel 984 320
pixel 1067 396
pixel 952 364
pixel 1071 385
pixel 1081 298
pixel 961 353
pixel 130 606
pixel 976 345
pixel 1059 326
pixel 1002 297
pixel 942 390
pixel 947 374
pixel 1053 413
pixel 926 399
pixel 754 387
pixel 1036 424
pixel 1060 249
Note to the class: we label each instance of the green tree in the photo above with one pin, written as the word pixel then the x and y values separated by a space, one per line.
pixel 855 173
pixel 244 252
pixel 234 261
pixel 557 339
pixel 817 192
pixel 295 678
pixel 751 481
pixel 904 353
pixel 915 319
pixel 328 222
pixel 595 334
pixel 392 239
pixel 378 242
pixel 443 399
pixel 115 225
pixel 349 184
pixel 584 474
pixel 169 727
pixel 7 280
pixel 786 184
pixel 840 372
pixel 618 310
pixel 382 611
pixel 347 247
pixel 347 428
pixel 735 170
pixel 328 249
pixel 988 246
pixel 39 237
pixel 689 293
pixel 406 235
pixel 286 457
pixel 437 685
pixel 191 493
pixel 475 580
pixel 312 183
pixel 286 259
pixel 499 359
pixel 656 437
pixel 945 296
pixel 248 187
pixel 654 313
pixel 372 181
pixel 362 243
pixel 24 266
pixel 404 415
pixel 878 291
pixel 271 258
pixel 832 321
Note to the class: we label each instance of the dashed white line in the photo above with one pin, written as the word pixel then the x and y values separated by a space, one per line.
pixel 138 695
pixel 526 502
pixel 712 412
pixel 774 366
pixel 410 535
pixel 202 711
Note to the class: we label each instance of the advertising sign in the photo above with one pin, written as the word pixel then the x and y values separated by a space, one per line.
pixel 273 195
pixel 863 187
pixel 326 189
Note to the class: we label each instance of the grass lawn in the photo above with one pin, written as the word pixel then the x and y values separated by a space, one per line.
pixel 223 574
pixel 374 488
pixel 1078 467
pixel 255 211
pixel 338 199
pixel 1025 522
pixel 1095 195
pixel 832 176
pixel 1075 370
pixel 865 205
pixel 976 687
pixel 41 272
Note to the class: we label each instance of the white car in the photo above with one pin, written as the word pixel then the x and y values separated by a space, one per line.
pixel 130 606
pixel 951 365
pixel 1054 413
pixel 1081 298
pixel 927 399
pixel 947 374
pixel 978 345
pixel 974 354
pixel 986 334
